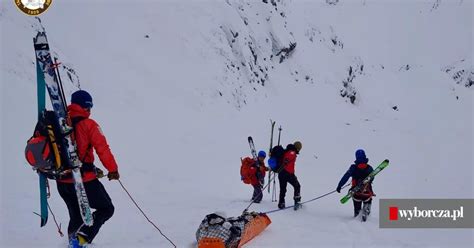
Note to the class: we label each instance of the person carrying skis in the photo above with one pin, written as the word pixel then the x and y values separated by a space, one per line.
pixel 287 174
pixel 359 171
pixel 88 135
pixel 252 172
pixel 259 181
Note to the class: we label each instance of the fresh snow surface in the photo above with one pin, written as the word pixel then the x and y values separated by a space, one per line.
pixel 177 112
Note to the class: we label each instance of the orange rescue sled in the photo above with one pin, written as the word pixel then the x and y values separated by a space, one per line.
pixel 218 232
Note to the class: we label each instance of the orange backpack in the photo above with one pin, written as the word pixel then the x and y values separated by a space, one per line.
pixel 248 170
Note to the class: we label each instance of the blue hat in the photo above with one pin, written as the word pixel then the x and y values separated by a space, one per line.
pixel 262 154
pixel 360 157
pixel 82 98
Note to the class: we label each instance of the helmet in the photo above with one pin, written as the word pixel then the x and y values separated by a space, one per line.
pixel 298 145
pixel 82 98
pixel 262 154
pixel 360 154
pixel 361 157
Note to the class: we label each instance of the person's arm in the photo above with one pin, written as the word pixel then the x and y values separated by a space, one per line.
pixel 344 178
pixel 99 142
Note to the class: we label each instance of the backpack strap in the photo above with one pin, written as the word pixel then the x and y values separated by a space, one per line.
pixel 74 122
pixel 85 166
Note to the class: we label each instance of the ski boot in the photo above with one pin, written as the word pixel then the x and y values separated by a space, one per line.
pixel 79 241
pixel 365 211
pixel 297 203
pixel 281 205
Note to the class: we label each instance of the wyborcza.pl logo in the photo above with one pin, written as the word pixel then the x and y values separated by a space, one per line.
pixel 426 213
pixel 33 7
pixel 409 214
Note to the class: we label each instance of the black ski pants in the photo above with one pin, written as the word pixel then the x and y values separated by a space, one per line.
pixel 257 193
pixel 358 205
pixel 284 178
pixel 98 200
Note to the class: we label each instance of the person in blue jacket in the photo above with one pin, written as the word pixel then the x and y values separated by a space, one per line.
pixel 359 171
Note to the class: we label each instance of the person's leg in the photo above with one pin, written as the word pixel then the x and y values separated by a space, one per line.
pixel 293 180
pixel 282 178
pixel 357 206
pixel 68 193
pixel 99 200
pixel 367 206
pixel 257 193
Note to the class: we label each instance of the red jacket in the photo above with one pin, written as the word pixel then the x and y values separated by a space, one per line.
pixel 255 179
pixel 88 136
pixel 289 159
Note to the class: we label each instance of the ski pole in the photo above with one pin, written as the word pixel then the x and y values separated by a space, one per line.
pixel 270 150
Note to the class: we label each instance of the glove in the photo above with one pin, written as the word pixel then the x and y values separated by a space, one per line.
pixel 113 175
pixel 338 189
pixel 99 173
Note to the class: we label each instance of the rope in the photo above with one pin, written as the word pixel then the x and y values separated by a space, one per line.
pixel 146 217
pixel 314 199
pixel 54 218
pixel 263 189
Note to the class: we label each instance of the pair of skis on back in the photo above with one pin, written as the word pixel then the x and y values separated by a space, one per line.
pixel 360 187
pixel 48 78
pixel 364 182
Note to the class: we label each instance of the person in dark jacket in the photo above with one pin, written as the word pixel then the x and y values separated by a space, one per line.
pixel 88 136
pixel 359 171
pixel 287 174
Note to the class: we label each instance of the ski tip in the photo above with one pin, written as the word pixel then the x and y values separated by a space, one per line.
pixel 386 160
pixel 249 138
pixel 43 221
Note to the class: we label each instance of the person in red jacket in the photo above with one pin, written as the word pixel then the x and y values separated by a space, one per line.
pixel 259 180
pixel 287 174
pixel 89 137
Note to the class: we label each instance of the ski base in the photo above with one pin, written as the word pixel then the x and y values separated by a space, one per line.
pixel 86 212
pixel 43 182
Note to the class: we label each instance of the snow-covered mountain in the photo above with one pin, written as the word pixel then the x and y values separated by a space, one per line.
pixel 178 87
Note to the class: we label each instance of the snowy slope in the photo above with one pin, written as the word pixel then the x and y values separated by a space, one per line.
pixel 177 113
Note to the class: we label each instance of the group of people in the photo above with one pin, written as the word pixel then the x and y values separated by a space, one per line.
pixel 89 136
pixel 286 174
pixel 358 171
